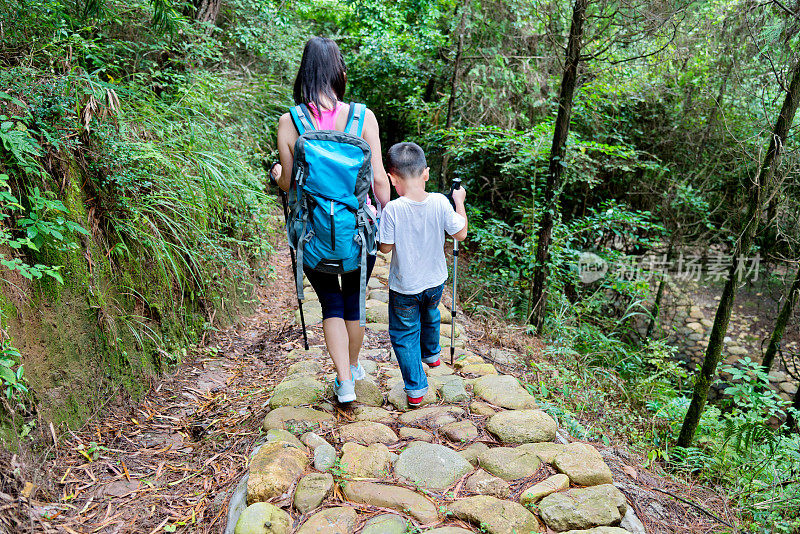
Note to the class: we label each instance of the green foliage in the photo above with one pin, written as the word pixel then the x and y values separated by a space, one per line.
pixel 9 204
pixel 270 34
pixel 739 447
pixel 124 119
pixel 27 225
pixel 181 195
pixel 12 380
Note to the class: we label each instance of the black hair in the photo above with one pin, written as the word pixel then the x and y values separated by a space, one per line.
pixel 322 72
pixel 406 160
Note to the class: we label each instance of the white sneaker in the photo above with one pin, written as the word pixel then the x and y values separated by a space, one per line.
pixel 345 390
pixel 358 372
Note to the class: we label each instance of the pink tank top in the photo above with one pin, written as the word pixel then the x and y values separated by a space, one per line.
pixel 327 119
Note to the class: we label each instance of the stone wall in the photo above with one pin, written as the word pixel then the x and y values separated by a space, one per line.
pixel 686 319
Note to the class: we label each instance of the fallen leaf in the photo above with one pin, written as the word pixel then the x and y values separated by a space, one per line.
pixel 630 471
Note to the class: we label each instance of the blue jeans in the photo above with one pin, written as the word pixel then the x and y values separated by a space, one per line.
pixel 414 330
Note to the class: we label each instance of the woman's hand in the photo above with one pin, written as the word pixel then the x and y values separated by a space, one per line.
pixel 276 171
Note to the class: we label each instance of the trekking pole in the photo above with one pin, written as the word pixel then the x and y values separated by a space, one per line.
pixel 291 255
pixel 456 185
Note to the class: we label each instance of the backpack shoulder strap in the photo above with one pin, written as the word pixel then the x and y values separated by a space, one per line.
pixel 355 119
pixel 300 118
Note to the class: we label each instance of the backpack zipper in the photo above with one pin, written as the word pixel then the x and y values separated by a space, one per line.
pixel 333 230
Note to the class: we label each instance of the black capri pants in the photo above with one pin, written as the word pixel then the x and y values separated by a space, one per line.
pixel 338 300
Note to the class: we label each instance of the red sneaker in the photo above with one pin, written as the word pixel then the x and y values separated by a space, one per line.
pixel 414 401
pixel 437 363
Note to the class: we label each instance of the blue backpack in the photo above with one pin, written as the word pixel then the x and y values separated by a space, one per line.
pixel 330 225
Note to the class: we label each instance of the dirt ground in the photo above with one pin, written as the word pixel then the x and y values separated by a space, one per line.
pixel 169 462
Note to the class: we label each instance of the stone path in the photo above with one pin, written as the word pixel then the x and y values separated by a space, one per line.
pixel 479 456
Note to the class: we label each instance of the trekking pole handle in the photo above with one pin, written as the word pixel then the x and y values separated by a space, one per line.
pixel 456 185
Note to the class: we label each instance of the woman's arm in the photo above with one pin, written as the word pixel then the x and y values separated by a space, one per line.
pixel 287 136
pixel 383 191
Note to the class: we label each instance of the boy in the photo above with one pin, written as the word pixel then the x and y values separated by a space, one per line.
pixel 413 228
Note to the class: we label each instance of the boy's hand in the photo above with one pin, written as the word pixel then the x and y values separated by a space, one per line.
pixel 459 195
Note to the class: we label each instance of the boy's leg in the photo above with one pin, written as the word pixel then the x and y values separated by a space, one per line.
pixel 430 319
pixel 404 331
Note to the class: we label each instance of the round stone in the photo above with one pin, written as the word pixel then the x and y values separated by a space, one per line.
pixel 263 518
pixel 431 466
pixel 273 470
pixel 472 452
pixel 480 369
pixel 296 390
pixel 367 462
pixel 496 516
pixel 311 491
pixel 304 367
pixel 368 393
pixel 481 408
pixel 378 313
pixel 433 417
pixel 452 389
pixel 504 391
pixel 415 434
pixel 367 433
pixel 544 488
pixel 392 497
pixel 522 426
pixel 297 420
pixel 483 483
pixel 546 451
pixel 460 431
pixel 340 520
pixel 277 434
pixel 582 508
pixel 509 463
pixel 386 524
pixel 583 465
pixel 372 413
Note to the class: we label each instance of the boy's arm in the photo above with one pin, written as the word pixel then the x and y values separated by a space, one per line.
pixel 386 231
pixel 458 199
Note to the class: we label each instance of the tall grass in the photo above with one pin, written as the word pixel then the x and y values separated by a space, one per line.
pixel 180 184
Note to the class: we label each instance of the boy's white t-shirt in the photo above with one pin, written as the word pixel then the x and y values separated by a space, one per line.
pixel 417 230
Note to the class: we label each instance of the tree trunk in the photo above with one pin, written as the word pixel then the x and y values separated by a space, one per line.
pixel 780 323
pixel 656 311
pixel 206 10
pixel 451 102
pixel 758 191
pixel 791 422
pixel 556 166
pixel 769 233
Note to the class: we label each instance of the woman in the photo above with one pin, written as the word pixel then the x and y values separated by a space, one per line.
pixel 320 84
